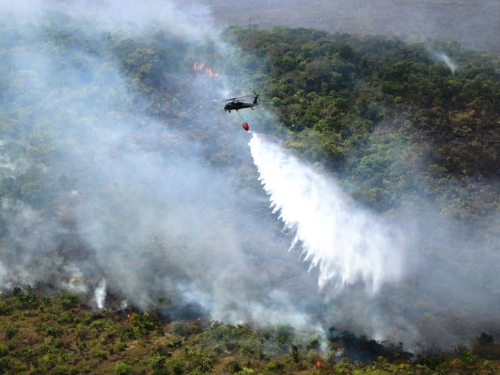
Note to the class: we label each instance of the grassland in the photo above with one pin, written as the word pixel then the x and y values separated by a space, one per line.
pixel 60 334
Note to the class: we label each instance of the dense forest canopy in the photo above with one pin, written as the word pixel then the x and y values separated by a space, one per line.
pixel 123 184
pixel 347 99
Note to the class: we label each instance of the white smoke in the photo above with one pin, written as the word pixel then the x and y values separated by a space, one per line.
pixel 136 200
pixel 100 294
pixel 192 22
pixel 4 278
pixel 76 281
pixel 5 163
pixel 347 243
pixel 444 58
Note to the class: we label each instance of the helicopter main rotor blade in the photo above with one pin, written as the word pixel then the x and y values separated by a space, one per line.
pixel 238 97
pixel 223 100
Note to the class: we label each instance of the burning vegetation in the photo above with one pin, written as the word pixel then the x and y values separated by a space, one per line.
pixel 200 68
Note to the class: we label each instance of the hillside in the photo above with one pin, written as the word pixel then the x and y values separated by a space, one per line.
pixel 473 23
pixel 59 335
pixel 411 130
pixel 126 189
pixel 386 115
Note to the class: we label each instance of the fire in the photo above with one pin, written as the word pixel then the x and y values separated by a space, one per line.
pixel 318 363
pixel 129 316
pixel 200 67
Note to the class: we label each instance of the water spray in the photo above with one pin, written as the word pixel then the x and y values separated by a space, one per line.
pixel 346 242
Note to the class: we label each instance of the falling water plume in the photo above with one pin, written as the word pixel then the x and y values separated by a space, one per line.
pixel 346 242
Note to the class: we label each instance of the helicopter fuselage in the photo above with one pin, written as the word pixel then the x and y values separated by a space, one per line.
pixel 236 105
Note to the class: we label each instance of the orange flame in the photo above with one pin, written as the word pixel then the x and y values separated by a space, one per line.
pixel 200 67
pixel 318 363
pixel 128 316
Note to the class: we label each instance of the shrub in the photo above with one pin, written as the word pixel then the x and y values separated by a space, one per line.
pixel 485 339
pixel 61 370
pixel 234 367
pixel 67 317
pixel 284 334
pixel 176 366
pixel 181 328
pixel 98 352
pixel 123 368
pixel 82 332
pixel 467 357
pixel 5 308
pixel 343 368
pixel 10 331
pixel 143 324
pixel 3 351
pixel 276 366
pixel 53 331
pixel 121 346
pixel 27 355
pixel 245 371
pixel 313 344
pixel 6 365
pixel 69 301
pixel 25 300
pixel 158 361
pixel 161 350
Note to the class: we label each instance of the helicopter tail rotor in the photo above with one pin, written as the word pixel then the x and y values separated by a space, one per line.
pixel 255 98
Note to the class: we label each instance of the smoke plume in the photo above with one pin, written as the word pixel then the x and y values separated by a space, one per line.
pixel 100 294
pixel 450 64
pixel 117 174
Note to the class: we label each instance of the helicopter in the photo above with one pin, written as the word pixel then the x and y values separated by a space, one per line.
pixel 235 104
